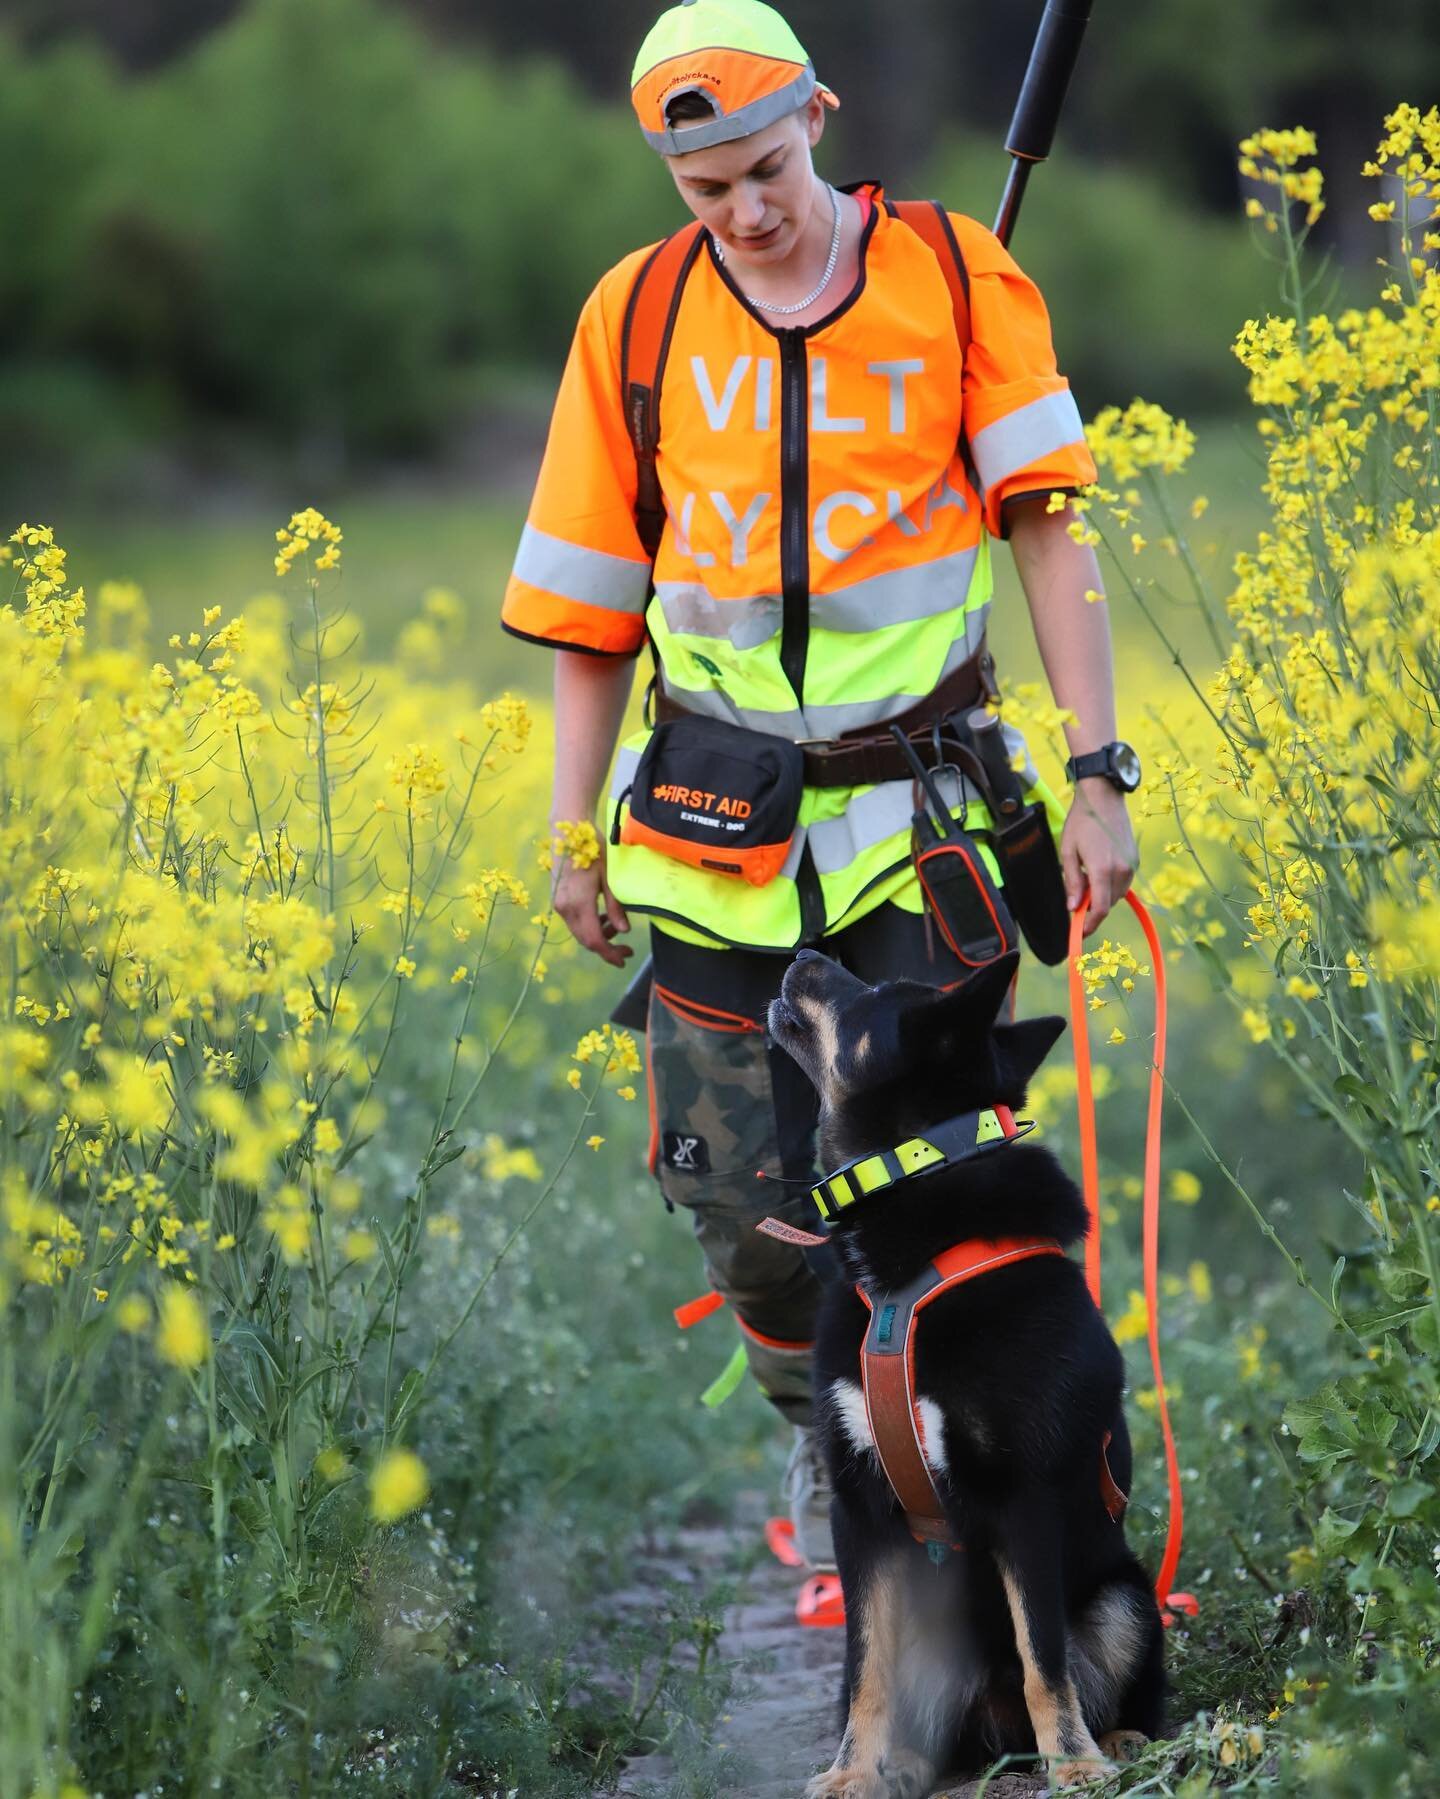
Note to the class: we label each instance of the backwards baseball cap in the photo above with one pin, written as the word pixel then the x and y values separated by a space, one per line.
pixel 739 55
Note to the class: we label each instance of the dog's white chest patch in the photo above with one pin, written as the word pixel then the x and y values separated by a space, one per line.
pixel 932 1433
pixel 849 1402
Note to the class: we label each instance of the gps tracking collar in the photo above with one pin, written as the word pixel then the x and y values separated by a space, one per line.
pixel 958 1139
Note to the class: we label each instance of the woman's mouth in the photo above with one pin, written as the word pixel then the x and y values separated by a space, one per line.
pixel 760 241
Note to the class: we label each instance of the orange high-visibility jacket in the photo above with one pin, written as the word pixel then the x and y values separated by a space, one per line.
pixel 825 558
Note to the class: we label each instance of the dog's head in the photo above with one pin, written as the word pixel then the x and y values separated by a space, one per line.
pixel 890 1059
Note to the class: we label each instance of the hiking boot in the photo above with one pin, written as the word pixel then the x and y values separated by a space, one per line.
pixel 807 1494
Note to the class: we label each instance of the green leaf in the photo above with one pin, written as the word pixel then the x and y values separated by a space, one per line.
pixel 406 1399
pixel 1381 1323
pixel 1352 1087
pixel 1215 966
pixel 240 1407
pixel 1408 1496
pixel 258 1342
pixel 1333 1531
pixel 54 1561
pixel 350 1151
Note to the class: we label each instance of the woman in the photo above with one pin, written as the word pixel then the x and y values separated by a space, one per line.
pixel 833 461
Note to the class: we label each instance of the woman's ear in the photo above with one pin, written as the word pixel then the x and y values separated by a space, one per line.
pixel 815 110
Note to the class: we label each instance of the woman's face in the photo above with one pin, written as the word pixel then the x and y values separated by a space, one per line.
pixel 757 193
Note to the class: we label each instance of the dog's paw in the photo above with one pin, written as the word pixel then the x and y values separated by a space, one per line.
pixel 838 1783
pixel 1079 1771
pixel 1124 1746
pixel 905 1775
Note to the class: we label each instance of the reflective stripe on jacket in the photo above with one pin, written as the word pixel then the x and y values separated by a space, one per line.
pixel 826 557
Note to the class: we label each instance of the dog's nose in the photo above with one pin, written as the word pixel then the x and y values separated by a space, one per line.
pixel 808 955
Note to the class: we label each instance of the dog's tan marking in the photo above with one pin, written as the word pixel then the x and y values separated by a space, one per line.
pixel 1124 1746
pixel 872 1703
pixel 859 1769
pixel 862 1048
pixel 827 1047
pixel 1060 1732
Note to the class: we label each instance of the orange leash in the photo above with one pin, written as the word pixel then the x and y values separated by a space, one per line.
pixel 1168 1602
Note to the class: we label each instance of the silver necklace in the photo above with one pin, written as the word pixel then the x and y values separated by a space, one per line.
pixel 830 261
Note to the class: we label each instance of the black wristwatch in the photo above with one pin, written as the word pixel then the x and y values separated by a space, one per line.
pixel 1117 762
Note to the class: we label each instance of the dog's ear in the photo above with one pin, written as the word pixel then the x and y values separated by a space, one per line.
pixel 976 1003
pixel 965 1013
pixel 1021 1048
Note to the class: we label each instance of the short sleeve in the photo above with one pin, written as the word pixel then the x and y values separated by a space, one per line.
pixel 581 577
pixel 1021 420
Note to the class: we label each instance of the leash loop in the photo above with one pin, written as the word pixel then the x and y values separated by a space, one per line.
pixel 1150 1230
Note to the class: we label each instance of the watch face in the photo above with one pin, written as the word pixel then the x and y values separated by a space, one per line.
pixel 1127 766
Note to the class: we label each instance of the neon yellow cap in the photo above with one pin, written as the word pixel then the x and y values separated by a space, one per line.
pixel 740 55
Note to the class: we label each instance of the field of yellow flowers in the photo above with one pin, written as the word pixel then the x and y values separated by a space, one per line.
pixel 335 1379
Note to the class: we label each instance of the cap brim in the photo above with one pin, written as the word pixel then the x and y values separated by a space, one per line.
pixel 771 103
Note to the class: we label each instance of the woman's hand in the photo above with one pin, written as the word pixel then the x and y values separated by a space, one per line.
pixel 1097 849
pixel 591 911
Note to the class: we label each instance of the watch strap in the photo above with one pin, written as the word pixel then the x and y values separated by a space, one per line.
pixel 1093 762
pixel 1105 762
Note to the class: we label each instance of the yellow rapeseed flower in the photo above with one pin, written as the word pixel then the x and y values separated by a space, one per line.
pixel 1134 1322
pixel 398 1485
pixel 182 1336
pixel 331 1465
pixel 133 1314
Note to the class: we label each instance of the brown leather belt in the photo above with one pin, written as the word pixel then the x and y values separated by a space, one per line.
pixel 870 755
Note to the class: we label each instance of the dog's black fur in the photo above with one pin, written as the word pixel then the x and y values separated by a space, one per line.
pixel 1027 1380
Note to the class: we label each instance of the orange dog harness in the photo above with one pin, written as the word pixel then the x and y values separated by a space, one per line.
pixel 887 1373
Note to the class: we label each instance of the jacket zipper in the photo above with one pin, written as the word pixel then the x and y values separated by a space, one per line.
pixel 795 572
pixel 794 504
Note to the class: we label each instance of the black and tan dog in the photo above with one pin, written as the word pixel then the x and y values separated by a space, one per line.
pixel 1041 1631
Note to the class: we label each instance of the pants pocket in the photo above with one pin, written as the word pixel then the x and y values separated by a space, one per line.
pixel 713 1100
pixel 715 1125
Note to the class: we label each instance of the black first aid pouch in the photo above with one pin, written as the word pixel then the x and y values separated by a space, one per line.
pixel 716 796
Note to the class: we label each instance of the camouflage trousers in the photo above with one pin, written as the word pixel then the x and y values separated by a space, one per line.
pixel 725 1102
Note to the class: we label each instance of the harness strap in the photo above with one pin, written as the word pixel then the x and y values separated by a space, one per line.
pixel 887 1373
pixel 644 348
pixel 1150 1237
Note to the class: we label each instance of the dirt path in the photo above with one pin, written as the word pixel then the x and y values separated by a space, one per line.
pixel 781 1727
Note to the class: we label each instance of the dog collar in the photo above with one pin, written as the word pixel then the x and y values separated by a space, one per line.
pixel 958 1139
